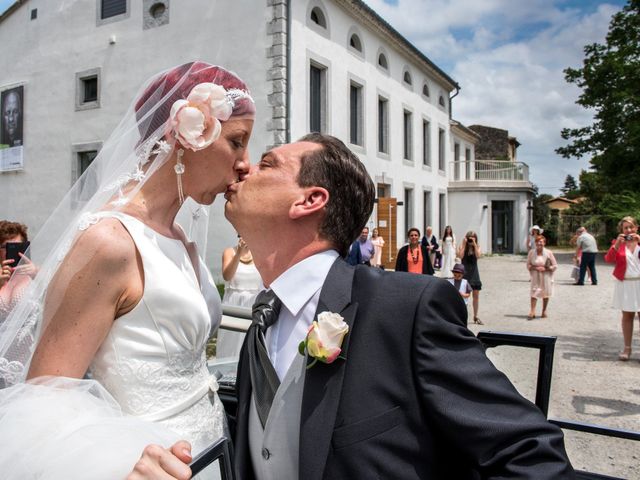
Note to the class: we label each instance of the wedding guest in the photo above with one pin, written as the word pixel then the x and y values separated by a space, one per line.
pixel 378 242
pixel 414 258
pixel 541 264
pixel 469 253
pixel 533 234
pixel 461 284
pixel 625 252
pixel 587 248
pixel 13 278
pixel 449 247
pixel 243 282
pixel 431 242
pixel 361 250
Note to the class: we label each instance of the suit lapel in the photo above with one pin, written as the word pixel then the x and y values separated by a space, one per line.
pixel 323 383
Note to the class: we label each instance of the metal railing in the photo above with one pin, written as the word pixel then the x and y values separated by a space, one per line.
pixel 546 346
pixel 489 170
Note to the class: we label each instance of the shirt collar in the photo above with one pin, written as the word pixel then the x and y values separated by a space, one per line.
pixel 299 283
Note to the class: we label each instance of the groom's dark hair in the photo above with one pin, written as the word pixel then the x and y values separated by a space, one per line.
pixel 351 190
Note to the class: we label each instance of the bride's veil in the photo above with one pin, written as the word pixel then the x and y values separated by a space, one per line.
pixel 140 144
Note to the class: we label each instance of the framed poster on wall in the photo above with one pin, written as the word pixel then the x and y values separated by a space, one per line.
pixel 11 132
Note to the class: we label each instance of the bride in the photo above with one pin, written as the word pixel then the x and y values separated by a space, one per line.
pixel 106 351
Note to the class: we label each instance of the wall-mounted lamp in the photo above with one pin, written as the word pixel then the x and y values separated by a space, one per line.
pixel 112 40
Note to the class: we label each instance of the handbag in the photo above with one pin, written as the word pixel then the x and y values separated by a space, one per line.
pixel 575 273
pixel 438 260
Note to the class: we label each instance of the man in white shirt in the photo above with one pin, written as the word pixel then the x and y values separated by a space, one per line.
pixel 586 251
pixel 400 400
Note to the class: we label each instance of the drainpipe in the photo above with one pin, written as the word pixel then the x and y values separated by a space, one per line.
pixel 451 102
pixel 288 74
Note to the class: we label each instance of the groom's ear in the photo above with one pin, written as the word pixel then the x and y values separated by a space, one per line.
pixel 314 199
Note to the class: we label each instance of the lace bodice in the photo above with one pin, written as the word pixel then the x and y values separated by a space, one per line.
pixel 153 359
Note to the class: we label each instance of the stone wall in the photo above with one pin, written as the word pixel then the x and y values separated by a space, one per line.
pixel 493 144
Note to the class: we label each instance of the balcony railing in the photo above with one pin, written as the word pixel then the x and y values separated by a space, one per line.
pixel 491 170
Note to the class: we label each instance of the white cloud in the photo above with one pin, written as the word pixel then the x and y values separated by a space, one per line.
pixel 509 58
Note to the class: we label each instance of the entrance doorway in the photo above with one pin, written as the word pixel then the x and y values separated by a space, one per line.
pixel 502 226
pixel 387 229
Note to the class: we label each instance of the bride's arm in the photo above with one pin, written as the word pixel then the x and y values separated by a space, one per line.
pixel 100 279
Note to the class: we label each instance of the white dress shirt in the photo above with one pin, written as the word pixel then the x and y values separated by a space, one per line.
pixel 298 289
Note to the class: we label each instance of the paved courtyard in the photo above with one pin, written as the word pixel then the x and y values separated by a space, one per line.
pixel 589 383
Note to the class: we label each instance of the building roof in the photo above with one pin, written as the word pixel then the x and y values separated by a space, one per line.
pixel 463 131
pixel 562 199
pixel 12 8
pixel 366 14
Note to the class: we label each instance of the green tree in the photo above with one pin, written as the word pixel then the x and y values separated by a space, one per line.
pixel 541 211
pixel 570 189
pixel 609 79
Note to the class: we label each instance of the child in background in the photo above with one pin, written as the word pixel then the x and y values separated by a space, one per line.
pixel 460 283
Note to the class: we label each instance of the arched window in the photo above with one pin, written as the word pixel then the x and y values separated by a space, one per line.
pixel 407 78
pixel 441 102
pixel 355 43
pixel 382 61
pixel 317 17
pixel 425 90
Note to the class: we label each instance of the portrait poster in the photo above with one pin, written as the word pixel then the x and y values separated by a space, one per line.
pixel 11 131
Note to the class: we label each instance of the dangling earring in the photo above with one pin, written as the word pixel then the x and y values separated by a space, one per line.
pixel 179 168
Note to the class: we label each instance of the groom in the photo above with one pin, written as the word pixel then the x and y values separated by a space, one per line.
pixel 412 394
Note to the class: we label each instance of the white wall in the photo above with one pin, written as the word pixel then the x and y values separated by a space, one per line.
pixel 470 215
pixel 331 49
pixel 45 54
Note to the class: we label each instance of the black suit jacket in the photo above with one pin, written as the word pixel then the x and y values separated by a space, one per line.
pixel 416 397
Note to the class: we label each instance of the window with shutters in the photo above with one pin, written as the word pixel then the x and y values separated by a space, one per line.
pixel 108 11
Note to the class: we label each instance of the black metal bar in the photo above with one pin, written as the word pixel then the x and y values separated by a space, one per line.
pixel 217 450
pixel 580 475
pixel 596 429
pixel 546 347
pixel 238 312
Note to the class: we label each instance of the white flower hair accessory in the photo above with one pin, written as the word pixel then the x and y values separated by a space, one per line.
pixel 195 122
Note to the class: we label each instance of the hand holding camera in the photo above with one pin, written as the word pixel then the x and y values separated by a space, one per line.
pixel 5 271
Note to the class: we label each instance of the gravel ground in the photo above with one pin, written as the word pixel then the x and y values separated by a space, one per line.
pixel 589 383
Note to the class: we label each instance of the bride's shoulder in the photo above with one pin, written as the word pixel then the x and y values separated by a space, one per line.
pixel 105 241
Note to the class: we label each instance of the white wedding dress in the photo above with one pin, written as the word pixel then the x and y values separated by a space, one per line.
pixel 448 257
pixel 152 365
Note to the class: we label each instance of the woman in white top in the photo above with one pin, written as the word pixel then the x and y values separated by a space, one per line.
pixel 242 277
pixel 122 294
pixel 448 246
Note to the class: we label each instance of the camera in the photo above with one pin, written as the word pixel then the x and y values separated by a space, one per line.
pixel 628 238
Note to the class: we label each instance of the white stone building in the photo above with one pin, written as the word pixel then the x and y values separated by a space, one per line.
pixel 328 65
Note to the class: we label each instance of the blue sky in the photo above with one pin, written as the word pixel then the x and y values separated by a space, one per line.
pixel 4 4
pixel 508 57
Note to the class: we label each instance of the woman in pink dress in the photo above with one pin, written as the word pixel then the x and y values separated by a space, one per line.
pixel 378 243
pixel 541 264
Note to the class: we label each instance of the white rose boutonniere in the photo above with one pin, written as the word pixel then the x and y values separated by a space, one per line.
pixel 324 338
